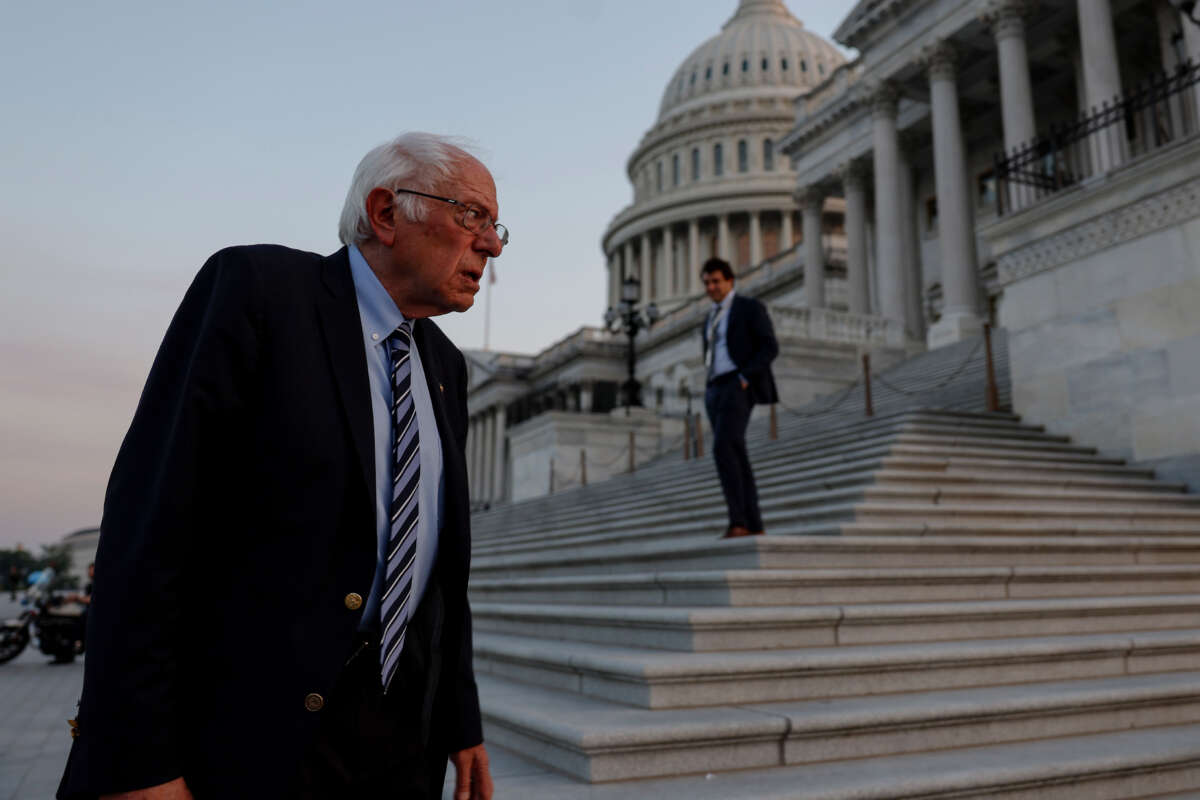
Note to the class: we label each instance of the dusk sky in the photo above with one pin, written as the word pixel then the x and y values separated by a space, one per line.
pixel 139 137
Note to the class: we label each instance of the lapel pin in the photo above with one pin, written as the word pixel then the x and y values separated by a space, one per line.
pixel 441 388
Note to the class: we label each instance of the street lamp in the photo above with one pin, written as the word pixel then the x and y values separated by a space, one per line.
pixel 628 317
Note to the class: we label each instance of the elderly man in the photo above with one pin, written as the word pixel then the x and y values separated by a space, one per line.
pixel 739 346
pixel 280 608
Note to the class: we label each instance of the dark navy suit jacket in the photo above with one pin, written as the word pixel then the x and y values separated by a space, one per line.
pixel 750 339
pixel 239 516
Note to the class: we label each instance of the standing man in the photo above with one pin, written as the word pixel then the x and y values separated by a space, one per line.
pixel 739 346
pixel 280 609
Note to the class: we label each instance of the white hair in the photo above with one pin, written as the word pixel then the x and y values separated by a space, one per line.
pixel 420 161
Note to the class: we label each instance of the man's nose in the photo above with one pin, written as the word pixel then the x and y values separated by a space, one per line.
pixel 488 241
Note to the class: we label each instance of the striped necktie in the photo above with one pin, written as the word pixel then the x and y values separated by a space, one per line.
pixel 714 319
pixel 406 484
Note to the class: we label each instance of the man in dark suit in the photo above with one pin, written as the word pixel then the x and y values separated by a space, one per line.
pixel 739 346
pixel 280 606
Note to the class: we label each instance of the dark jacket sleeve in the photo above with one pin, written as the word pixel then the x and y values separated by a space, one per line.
pixel 764 347
pixel 465 695
pixel 129 736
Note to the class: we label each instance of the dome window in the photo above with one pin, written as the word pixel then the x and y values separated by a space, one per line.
pixel 766 64
pixel 768 155
pixel 695 163
pixel 725 69
pixel 745 65
pixel 658 176
pixel 708 73
pixel 693 79
pixel 675 170
pixel 803 65
pixel 718 159
pixel 821 68
pixel 743 156
pixel 783 64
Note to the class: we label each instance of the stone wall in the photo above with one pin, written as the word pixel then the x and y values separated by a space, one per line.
pixel 1103 315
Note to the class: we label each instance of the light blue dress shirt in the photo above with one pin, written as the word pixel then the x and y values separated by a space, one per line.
pixel 379 316
pixel 721 363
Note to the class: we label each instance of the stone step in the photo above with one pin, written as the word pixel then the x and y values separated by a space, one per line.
pixel 662 679
pixel 1008 506
pixel 705 629
pixel 997 444
pixel 915 472
pixel 794 587
pixel 1159 763
pixel 901 524
pixel 845 551
pixel 890 487
pixel 1012 455
pixel 600 741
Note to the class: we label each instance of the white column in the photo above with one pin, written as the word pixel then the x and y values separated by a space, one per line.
pixel 485 472
pixel 1016 91
pixel 667 286
pixel 585 397
pixel 756 248
pixel 647 268
pixel 471 475
pixel 499 465
pixel 786 234
pixel 630 268
pixel 889 269
pixel 693 271
pixel 814 254
pixel 910 253
pixel 614 278
pixel 1101 75
pixel 956 226
pixel 854 188
pixel 723 237
pixel 1191 42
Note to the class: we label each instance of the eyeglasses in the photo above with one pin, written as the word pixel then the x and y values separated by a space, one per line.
pixel 471 217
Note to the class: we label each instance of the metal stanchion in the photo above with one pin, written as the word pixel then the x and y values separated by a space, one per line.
pixel 552 476
pixel 699 437
pixel 866 359
pixel 687 437
pixel 993 393
pixel 632 453
pixel 774 424
pixel 582 467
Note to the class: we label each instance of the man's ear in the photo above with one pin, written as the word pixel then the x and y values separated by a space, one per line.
pixel 381 213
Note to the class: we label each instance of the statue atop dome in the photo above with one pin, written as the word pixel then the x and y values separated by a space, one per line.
pixel 755 8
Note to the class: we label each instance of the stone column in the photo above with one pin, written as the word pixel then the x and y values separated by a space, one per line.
pixel 1101 76
pixel 909 249
pixel 647 269
pixel 585 397
pixel 693 271
pixel 889 266
pixel 1191 43
pixel 854 187
pixel 1016 91
pixel 956 226
pixel 723 237
pixel 630 266
pixel 667 286
pixel 471 475
pixel 756 244
pixel 786 234
pixel 814 254
pixel 614 278
pixel 499 465
pixel 486 441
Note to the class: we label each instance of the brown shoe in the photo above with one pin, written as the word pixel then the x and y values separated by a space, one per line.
pixel 758 533
pixel 735 532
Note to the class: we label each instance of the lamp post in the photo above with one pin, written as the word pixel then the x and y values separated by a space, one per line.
pixel 631 319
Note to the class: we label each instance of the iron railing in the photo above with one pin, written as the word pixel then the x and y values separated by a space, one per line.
pixel 1161 110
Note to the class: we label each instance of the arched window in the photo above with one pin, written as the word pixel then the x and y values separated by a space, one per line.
pixel 766 64
pixel 695 163
pixel 745 65
pixel 803 65
pixel 725 69
pixel 675 170
pixel 693 82
pixel 743 156
pixel 821 68
pixel 768 155
pixel 658 178
pixel 718 159
pixel 708 73
pixel 783 64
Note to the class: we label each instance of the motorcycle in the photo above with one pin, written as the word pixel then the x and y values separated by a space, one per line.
pixel 59 624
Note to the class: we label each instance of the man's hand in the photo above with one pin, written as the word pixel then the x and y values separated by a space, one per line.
pixel 175 790
pixel 473 779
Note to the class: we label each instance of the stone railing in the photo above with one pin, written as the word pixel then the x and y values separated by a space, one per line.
pixel 827 325
pixel 566 348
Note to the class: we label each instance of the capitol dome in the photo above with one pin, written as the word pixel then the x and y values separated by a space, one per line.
pixel 706 177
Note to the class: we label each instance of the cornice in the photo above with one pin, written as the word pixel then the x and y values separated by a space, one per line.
pixel 866 17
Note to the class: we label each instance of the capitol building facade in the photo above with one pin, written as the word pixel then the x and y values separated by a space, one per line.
pixel 1035 165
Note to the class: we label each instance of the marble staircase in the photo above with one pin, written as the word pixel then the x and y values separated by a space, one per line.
pixel 948 603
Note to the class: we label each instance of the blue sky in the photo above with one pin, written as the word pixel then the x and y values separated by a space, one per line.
pixel 139 137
